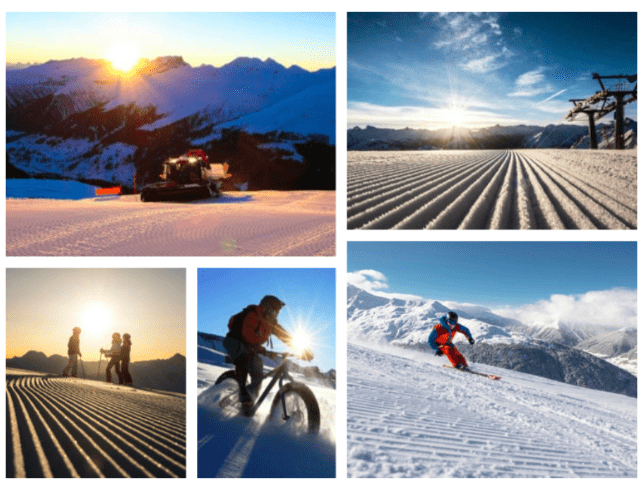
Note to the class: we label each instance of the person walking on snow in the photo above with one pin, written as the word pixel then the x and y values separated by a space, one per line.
pixel 115 357
pixel 248 331
pixel 441 338
pixel 73 351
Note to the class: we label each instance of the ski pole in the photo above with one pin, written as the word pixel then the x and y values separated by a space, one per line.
pixel 82 366
pixel 99 361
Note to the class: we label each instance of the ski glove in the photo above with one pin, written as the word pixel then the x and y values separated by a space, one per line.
pixel 438 353
pixel 471 341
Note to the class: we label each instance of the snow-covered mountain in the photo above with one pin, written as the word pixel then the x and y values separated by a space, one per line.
pixel 494 137
pixel 606 137
pixel 77 119
pixel 408 416
pixel 544 350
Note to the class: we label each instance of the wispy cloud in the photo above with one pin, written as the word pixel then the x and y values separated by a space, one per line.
pixel 552 96
pixel 615 307
pixel 477 38
pixel 374 282
pixel 531 77
pixel 531 84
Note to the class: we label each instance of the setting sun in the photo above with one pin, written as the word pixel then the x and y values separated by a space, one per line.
pixel 122 56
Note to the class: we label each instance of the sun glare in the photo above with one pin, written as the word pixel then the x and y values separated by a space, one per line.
pixel 301 340
pixel 455 116
pixel 95 319
pixel 123 57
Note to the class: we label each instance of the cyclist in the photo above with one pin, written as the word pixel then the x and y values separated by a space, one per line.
pixel 248 331
pixel 441 338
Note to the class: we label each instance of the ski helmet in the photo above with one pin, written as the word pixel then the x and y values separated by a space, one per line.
pixel 270 302
pixel 453 317
pixel 76 330
pixel 116 336
pixel 126 336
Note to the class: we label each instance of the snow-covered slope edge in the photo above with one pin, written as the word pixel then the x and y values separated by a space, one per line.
pixel 410 417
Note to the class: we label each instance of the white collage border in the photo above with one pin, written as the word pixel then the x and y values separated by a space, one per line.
pixel 342 235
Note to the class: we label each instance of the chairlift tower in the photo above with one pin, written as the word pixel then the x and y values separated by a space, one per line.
pixel 598 105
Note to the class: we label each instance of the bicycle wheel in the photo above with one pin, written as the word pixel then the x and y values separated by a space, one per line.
pixel 227 393
pixel 302 409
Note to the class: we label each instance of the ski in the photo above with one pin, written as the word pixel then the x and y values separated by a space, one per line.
pixel 488 376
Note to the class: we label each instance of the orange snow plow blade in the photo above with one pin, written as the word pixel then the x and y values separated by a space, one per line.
pixel 109 191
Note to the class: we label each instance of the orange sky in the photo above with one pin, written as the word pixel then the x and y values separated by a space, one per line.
pixel 44 305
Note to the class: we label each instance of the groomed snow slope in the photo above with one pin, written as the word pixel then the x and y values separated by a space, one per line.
pixel 64 427
pixel 408 416
pixel 517 189
pixel 236 224
pixel 236 446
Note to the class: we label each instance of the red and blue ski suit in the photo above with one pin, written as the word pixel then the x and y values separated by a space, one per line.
pixel 441 337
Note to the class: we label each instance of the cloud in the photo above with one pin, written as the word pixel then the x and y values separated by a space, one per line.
pixel 615 307
pixel 531 84
pixel 465 31
pixel 517 31
pixel 373 281
pixel 531 77
pixel 485 64
pixel 552 96
pixel 368 279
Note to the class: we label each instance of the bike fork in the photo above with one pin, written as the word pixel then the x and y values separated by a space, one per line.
pixel 283 400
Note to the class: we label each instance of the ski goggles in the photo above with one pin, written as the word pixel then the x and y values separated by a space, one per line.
pixel 452 322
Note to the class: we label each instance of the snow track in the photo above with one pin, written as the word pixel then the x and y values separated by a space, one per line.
pixel 237 224
pixel 410 417
pixel 64 427
pixel 519 189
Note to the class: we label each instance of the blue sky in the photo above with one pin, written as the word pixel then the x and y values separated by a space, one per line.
pixel 492 274
pixel 309 295
pixel 426 70
pixel 306 38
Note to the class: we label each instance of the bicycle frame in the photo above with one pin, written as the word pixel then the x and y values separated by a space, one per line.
pixel 279 373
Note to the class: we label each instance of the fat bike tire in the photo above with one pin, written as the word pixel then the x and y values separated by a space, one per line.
pixel 302 408
pixel 228 395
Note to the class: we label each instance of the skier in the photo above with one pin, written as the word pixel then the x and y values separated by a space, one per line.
pixel 114 354
pixel 248 331
pixel 124 356
pixel 73 351
pixel 442 335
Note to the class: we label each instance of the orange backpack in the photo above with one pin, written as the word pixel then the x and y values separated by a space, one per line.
pixel 250 325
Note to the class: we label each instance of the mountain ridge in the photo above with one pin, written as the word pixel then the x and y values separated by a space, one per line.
pixel 499 341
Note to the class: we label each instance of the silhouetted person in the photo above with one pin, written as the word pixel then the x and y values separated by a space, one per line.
pixel 125 351
pixel 115 357
pixel 73 351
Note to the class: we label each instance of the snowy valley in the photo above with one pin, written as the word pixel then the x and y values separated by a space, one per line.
pixel 76 119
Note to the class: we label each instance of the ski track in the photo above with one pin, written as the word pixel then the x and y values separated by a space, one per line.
pixel 239 224
pixel 413 419
pixel 516 189
pixel 65 427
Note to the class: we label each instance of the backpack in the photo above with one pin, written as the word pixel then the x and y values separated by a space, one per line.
pixel 254 331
